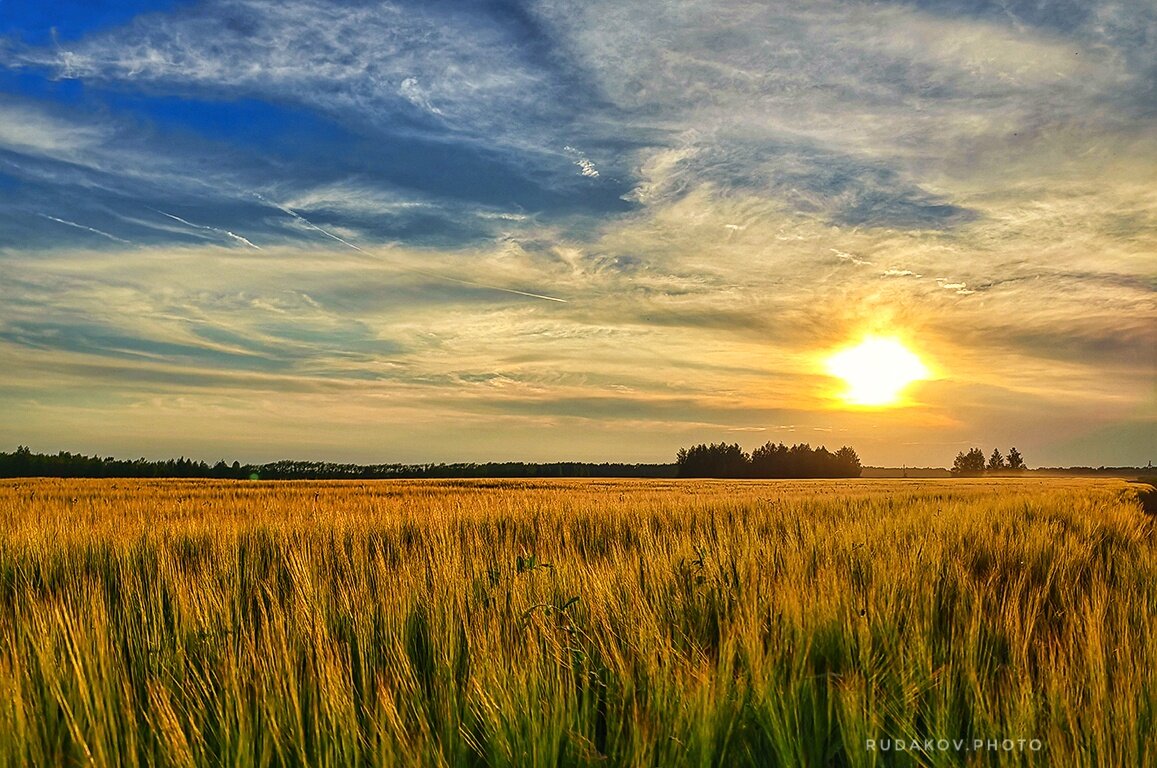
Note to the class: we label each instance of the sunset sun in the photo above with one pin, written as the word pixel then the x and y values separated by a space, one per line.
pixel 876 371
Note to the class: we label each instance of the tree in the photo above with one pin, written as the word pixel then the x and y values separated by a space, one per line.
pixel 849 462
pixel 769 460
pixel 21 461
pixel 971 463
pixel 715 460
pixel 1015 462
pixel 996 461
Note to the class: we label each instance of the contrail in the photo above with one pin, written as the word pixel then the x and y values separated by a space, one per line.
pixel 308 223
pixel 87 229
pixel 484 285
pixel 233 235
pixel 432 275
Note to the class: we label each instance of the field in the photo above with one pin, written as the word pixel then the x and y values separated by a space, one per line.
pixel 665 623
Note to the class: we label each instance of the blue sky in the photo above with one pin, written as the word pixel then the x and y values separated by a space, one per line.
pixel 420 231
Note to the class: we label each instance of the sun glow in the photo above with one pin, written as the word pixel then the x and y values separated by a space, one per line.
pixel 876 371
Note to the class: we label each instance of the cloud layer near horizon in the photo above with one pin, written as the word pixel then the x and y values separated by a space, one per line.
pixel 433 231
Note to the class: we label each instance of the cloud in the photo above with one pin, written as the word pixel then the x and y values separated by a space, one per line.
pixel 367 61
pixel 809 179
pixel 586 167
pixel 850 258
pixel 961 289
pixel 95 231
pixel 447 114
pixel 29 130
pixel 416 96
pixel 227 233
pixel 756 117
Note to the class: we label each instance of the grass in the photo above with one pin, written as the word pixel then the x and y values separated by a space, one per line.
pixel 191 623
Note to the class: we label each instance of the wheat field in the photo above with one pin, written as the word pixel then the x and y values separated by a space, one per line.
pixel 633 623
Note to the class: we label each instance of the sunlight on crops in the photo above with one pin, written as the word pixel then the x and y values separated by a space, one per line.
pixel 573 622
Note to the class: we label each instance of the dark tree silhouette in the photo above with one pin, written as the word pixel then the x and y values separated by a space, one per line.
pixel 848 461
pixel 770 460
pixel 1015 461
pixel 715 460
pixel 996 461
pixel 971 463
pixel 24 463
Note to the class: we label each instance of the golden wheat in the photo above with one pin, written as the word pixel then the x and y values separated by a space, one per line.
pixel 576 623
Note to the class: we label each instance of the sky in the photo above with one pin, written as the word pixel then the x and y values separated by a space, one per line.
pixel 594 230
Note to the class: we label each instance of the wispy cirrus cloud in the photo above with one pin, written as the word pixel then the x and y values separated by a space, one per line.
pixel 34 131
pixel 381 63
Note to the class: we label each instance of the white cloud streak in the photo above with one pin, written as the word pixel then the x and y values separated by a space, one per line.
pixel 447 278
pixel 233 236
pixel 309 224
pixel 95 231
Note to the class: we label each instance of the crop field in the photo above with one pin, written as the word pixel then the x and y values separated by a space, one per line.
pixel 635 623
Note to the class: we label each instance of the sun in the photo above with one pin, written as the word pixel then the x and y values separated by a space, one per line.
pixel 876 371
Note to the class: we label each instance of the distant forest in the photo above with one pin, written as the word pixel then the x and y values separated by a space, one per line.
pixel 715 460
pixel 24 463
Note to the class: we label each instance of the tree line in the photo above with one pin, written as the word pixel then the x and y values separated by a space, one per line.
pixel 24 463
pixel 973 463
pixel 770 460
pixel 715 460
